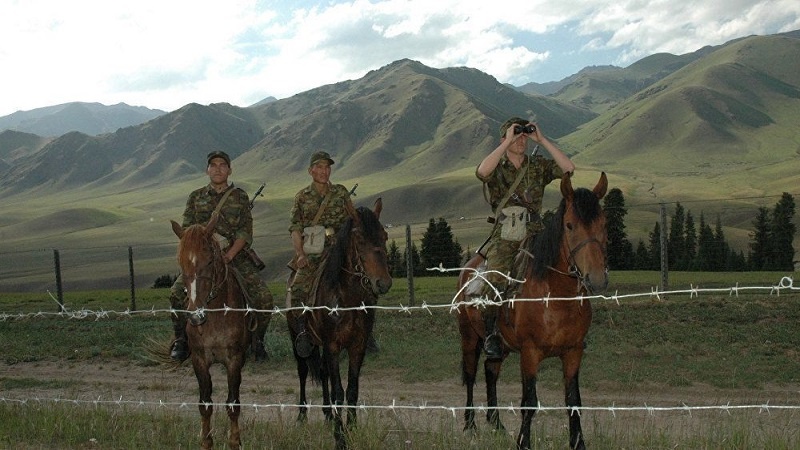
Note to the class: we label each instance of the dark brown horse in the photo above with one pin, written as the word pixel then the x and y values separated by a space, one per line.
pixel 214 334
pixel 569 260
pixel 354 274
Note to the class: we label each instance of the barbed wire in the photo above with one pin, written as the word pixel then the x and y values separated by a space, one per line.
pixel 786 283
pixel 454 410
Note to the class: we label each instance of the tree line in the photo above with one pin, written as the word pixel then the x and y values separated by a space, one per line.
pixel 691 245
pixel 695 246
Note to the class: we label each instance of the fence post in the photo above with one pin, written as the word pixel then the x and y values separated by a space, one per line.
pixel 664 251
pixel 133 283
pixel 409 266
pixel 59 287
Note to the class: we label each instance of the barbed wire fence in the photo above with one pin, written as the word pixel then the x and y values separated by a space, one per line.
pixel 784 286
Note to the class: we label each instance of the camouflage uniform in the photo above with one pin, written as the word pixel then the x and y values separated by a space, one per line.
pixel 529 192
pixel 306 205
pixel 235 222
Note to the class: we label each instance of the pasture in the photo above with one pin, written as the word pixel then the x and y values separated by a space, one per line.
pixel 87 382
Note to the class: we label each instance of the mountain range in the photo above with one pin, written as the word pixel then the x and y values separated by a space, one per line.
pixel 719 123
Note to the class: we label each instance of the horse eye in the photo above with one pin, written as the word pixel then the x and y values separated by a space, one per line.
pixel 570 226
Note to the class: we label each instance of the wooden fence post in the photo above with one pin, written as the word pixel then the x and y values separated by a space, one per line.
pixel 59 287
pixel 133 282
pixel 409 266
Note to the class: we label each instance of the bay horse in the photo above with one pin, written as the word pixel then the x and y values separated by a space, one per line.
pixel 354 273
pixel 569 260
pixel 214 333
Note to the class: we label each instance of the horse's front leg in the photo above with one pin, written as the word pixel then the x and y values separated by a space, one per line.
pixel 470 354
pixel 336 396
pixel 571 364
pixel 356 360
pixel 201 371
pixel 233 405
pixel 529 365
pixel 491 369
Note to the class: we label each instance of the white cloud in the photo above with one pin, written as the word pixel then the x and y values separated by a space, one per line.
pixel 166 54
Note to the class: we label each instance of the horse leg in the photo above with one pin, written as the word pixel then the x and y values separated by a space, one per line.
pixel 491 369
pixel 356 360
pixel 572 397
pixel 470 354
pixel 302 375
pixel 529 365
pixel 336 397
pixel 469 368
pixel 201 371
pixel 233 405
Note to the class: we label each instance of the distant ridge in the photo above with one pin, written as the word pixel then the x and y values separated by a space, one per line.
pixel 88 118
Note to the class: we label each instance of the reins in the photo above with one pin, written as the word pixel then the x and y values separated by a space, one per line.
pixel 573 270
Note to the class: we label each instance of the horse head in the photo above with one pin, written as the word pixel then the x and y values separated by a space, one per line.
pixel 199 258
pixel 368 240
pixel 584 228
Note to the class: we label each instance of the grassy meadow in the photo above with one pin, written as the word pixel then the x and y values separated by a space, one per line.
pixel 709 349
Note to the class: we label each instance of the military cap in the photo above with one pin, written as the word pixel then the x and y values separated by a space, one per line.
pixel 219 154
pixel 320 156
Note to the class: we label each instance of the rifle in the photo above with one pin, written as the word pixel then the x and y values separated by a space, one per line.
pixel 353 191
pixel 256 195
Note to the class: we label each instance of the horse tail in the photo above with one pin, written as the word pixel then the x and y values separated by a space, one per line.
pixel 314 364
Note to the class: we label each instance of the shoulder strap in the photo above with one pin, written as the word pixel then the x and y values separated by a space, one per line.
pixel 510 192
pixel 322 206
pixel 222 200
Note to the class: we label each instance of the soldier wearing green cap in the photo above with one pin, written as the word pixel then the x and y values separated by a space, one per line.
pixel 234 229
pixel 319 210
pixel 514 184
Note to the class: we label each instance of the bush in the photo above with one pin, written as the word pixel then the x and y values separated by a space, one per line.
pixel 164 281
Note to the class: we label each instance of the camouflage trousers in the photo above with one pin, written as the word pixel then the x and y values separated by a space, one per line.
pixel 303 282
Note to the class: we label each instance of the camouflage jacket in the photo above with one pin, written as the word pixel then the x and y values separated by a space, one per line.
pixel 307 202
pixel 540 171
pixel 235 221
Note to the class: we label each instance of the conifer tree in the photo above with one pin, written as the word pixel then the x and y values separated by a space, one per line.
pixel 620 249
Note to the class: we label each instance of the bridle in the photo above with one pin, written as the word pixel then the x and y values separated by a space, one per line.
pixel 573 270
pixel 198 317
pixel 358 267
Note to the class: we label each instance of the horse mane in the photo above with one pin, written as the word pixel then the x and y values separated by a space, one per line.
pixel 337 255
pixel 546 247
pixel 193 242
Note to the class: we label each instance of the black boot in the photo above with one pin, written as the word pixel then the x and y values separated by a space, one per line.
pixel 492 344
pixel 180 347
pixel 302 343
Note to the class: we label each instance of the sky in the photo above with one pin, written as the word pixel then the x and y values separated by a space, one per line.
pixel 164 54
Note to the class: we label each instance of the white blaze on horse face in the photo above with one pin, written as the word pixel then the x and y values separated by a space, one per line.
pixel 193 285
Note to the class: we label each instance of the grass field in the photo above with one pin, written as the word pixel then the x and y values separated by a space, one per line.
pixel 709 349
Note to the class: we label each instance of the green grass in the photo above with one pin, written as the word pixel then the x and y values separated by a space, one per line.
pixel 644 344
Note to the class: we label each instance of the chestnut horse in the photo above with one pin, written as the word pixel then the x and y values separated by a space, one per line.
pixel 569 260
pixel 355 272
pixel 214 334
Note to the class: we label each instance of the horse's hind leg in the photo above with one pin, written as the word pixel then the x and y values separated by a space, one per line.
pixel 233 406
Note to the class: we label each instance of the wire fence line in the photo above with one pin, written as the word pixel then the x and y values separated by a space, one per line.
pixel 784 285
pixel 396 407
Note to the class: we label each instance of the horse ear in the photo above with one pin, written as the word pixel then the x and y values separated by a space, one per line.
pixel 177 229
pixel 566 185
pixel 602 186
pixel 378 207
